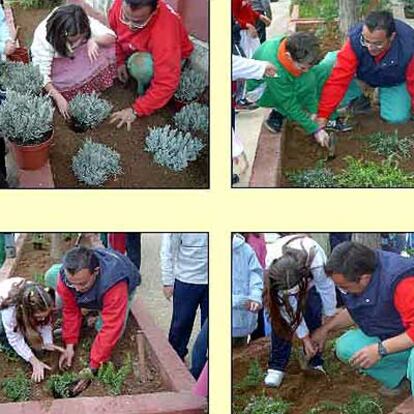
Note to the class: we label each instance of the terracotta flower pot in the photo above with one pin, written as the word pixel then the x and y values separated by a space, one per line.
pixel 32 157
pixel 21 54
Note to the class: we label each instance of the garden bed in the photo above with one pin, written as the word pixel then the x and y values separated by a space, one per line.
pixel 167 388
pixel 303 390
pixel 139 169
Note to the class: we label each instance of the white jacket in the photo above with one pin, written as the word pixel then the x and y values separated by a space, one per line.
pixel 184 256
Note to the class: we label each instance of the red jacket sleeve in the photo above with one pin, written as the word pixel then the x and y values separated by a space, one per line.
pixel 243 13
pixel 410 82
pixel 112 20
pixel 404 303
pixel 115 303
pixel 338 82
pixel 72 317
pixel 166 55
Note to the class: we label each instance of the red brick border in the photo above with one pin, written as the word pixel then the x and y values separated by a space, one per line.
pixel 175 374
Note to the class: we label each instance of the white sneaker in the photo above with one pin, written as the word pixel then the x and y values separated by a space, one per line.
pixel 274 378
pixel 319 368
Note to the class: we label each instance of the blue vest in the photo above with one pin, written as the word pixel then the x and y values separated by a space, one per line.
pixel 390 71
pixel 373 310
pixel 113 268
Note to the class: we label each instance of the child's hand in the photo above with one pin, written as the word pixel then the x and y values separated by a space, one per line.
pixel 252 306
pixel 309 348
pixel 265 20
pixel 252 30
pixel 10 47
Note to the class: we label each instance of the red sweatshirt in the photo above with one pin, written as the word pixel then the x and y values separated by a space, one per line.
pixel 243 13
pixel 117 241
pixel 342 74
pixel 115 303
pixel 166 38
pixel 404 303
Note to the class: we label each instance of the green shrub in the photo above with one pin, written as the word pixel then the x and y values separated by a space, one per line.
pixel 17 388
pixel 60 384
pixel 26 119
pixel 88 110
pixel 254 377
pixel 360 173
pixel 114 378
pixel 95 163
pixel 9 353
pixel 266 405
pixel 192 118
pixel 192 85
pixel 172 148
pixel 390 144
pixel 21 78
pixel 318 177
pixel 358 404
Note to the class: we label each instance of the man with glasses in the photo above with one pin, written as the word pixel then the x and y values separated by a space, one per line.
pixel 293 92
pixel 378 52
pixel 377 289
pixel 96 279
pixel 151 45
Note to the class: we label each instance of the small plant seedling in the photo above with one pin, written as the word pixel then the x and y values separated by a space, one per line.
pixel 318 177
pixel 96 163
pixel 390 144
pixel 192 85
pixel 60 384
pixel 192 118
pixel 21 78
pixel 266 405
pixel 17 388
pixel 114 378
pixel 254 377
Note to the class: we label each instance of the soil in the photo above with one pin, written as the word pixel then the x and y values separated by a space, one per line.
pixel 303 390
pixel 139 169
pixel 301 152
pixel 34 262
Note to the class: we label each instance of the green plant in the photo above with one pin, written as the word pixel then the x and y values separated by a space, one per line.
pixel 254 377
pixel 26 119
pixel 192 118
pixel 325 9
pixel 358 404
pixel 17 388
pixel 360 173
pixel 39 278
pixel 95 163
pixel 59 384
pixel 390 144
pixel 88 110
pixel 9 353
pixel 266 405
pixel 21 78
pixel 331 364
pixel 192 85
pixel 114 378
pixel 318 177
pixel 171 148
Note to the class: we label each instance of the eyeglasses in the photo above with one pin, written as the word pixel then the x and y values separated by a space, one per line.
pixel 83 285
pixel 133 25
pixel 374 45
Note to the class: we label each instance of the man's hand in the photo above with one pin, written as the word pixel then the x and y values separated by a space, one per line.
pixel 265 20
pixel 319 337
pixel 10 47
pixel 270 70
pixel 322 138
pixel 65 360
pixel 168 292
pixel 123 74
pixel 39 367
pixel 252 30
pixel 93 50
pixel 252 306
pixel 366 357
pixel 126 117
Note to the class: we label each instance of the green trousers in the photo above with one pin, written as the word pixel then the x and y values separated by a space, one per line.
pixel 389 370
pixel 141 67
pixel 51 278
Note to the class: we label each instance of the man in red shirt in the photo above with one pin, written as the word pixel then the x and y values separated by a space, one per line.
pixel 151 45
pixel 377 289
pixel 380 53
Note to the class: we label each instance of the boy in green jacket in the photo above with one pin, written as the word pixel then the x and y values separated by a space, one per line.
pixel 294 91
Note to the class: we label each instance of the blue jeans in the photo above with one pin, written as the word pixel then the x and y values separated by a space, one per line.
pixel 281 348
pixel 187 298
pixel 200 348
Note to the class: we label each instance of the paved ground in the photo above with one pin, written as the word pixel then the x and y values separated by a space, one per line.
pixel 151 287
pixel 248 125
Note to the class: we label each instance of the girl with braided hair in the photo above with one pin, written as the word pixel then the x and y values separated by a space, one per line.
pixel 26 319
pixel 297 293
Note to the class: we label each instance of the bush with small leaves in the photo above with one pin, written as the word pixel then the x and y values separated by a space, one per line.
pixel 357 404
pixel 21 78
pixel 192 118
pixel 172 148
pixel 17 388
pixel 318 177
pixel 114 378
pixel 96 163
pixel 390 144
pixel 88 111
pixel 254 377
pixel 60 384
pixel 192 85
pixel 26 119
pixel 266 405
